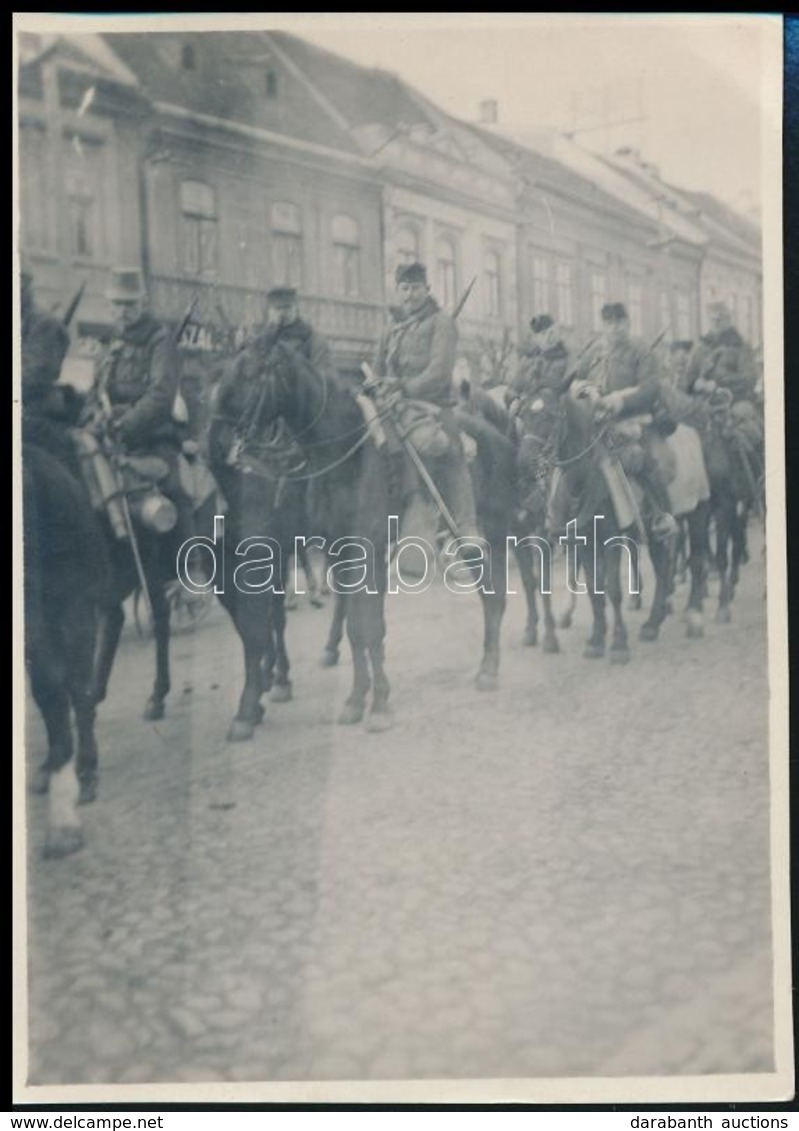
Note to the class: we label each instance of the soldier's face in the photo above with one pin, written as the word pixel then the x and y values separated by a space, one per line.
pixel 412 296
pixel 616 332
pixel 282 315
pixel 128 313
pixel 719 321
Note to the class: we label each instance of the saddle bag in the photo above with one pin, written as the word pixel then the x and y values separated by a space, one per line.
pixel 135 480
pixel 419 423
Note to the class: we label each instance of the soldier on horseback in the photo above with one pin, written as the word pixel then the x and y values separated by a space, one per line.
pixel 625 373
pixel 545 362
pixel 721 358
pixel 136 387
pixel 416 357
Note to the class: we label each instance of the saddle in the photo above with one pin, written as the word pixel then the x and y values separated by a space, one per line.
pixel 125 486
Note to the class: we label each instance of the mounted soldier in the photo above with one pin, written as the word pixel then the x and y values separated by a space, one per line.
pixel 721 358
pixel 136 387
pixel 545 362
pixel 625 375
pixel 416 357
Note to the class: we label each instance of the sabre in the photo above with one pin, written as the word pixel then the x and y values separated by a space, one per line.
pixel 73 306
pixel 463 298
pixel 415 459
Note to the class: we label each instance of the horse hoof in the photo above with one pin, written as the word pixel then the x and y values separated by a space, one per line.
pixel 530 638
pixel 350 713
pixel 281 693
pixel 668 608
pixel 329 658
pixel 88 791
pixel 695 630
pixel 723 615
pixel 551 645
pixel 486 681
pixel 566 621
pixel 62 842
pixel 260 713
pixel 648 632
pixel 379 721
pixel 594 651
pixel 620 655
pixel 41 780
pixel 240 730
pixel 154 710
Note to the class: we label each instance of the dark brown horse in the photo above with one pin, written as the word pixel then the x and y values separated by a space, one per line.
pixel 357 486
pixel 66 572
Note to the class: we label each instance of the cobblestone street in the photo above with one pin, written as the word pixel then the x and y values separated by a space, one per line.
pixel 569 877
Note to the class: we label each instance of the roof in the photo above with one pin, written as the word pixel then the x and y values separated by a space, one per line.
pixel 226 82
pixel 726 218
pixel 557 176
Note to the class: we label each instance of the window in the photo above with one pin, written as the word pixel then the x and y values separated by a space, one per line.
pixel 188 59
pixel 84 182
pixel 407 244
pixel 635 307
pixel 664 315
pixel 35 197
pixel 492 275
pixel 198 229
pixel 286 245
pixel 540 285
pixel 598 299
pixel 446 281
pixel 683 316
pixel 346 254
pixel 270 84
pixel 565 298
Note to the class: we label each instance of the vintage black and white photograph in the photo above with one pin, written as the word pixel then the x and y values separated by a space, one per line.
pixel 402 616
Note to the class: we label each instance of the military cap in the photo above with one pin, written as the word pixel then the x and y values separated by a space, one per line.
pixel 681 346
pixel 125 285
pixel 614 312
pixel 541 322
pixel 411 273
pixel 281 296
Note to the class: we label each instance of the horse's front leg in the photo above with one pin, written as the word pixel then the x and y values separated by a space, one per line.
pixel 250 712
pixel 380 716
pixel 524 559
pixel 49 687
pixel 493 594
pixel 619 648
pixel 80 635
pixel 697 524
pixel 662 562
pixel 331 653
pixel 725 519
pixel 593 568
pixel 281 688
pixel 357 634
pixel 108 633
pixel 159 603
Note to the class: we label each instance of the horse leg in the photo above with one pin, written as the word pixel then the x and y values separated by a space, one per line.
pixel 739 549
pixel 331 652
pixel 250 712
pixel 619 648
pixel 662 562
pixel 724 523
pixel 571 578
pixel 49 687
pixel 595 646
pixel 154 708
pixel 281 690
pixel 551 644
pixel 80 633
pixel 493 599
pixel 524 559
pixel 108 634
pixel 380 717
pixel 697 526
pixel 355 705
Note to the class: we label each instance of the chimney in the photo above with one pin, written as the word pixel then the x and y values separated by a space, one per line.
pixel 488 112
